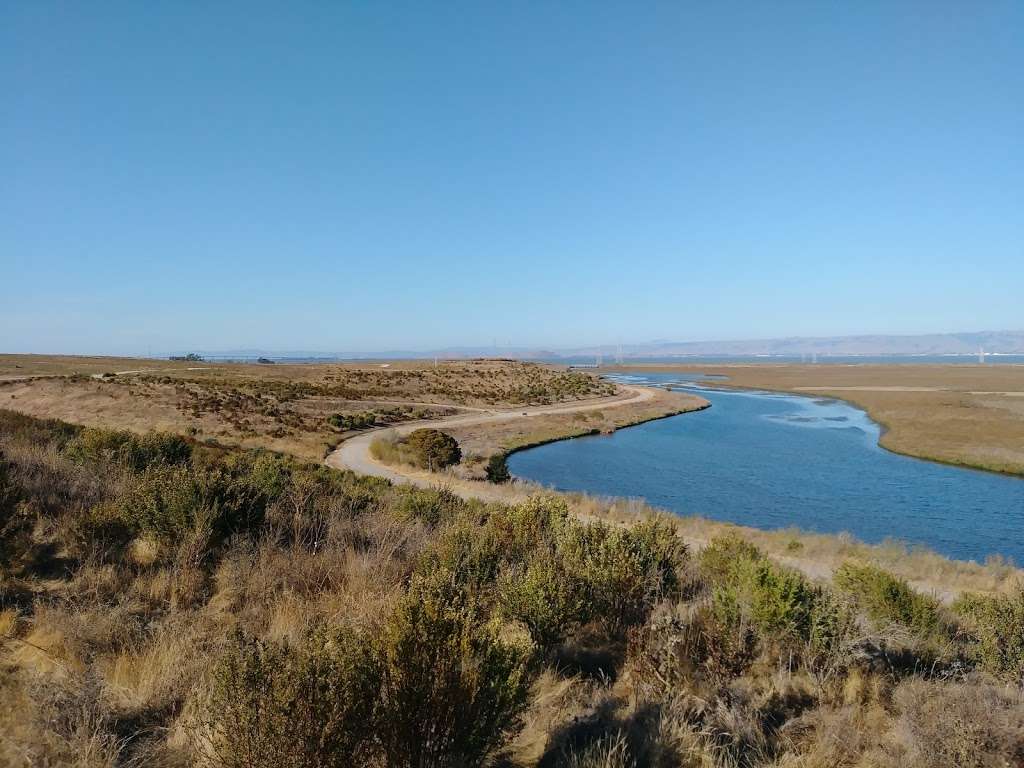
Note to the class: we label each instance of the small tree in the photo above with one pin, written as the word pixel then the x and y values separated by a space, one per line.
pixel 497 469
pixel 434 449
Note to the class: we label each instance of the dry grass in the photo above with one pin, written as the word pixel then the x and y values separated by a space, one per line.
pixel 971 415
pixel 283 408
pixel 106 660
pixel 504 437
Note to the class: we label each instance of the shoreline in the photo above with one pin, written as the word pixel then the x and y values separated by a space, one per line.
pixel 883 429
pixel 815 554
pixel 913 433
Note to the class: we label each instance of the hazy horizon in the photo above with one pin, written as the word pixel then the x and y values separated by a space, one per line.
pixel 363 177
pixel 968 344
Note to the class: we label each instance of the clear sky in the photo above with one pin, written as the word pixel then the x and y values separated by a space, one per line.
pixel 369 176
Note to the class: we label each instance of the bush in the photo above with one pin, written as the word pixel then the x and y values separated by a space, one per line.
pixel 748 589
pixel 137 452
pixel 719 559
pixel 622 572
pixel 497 469
pixel 996 623
pixel 452 690
pixel 22 428
pixel 888 599
pixel 346 421
pixel 469 553
pixel 429 505
pixel 433 449
pixel 164 501
pixel 293 706
pixel 543 597
pixel 227 496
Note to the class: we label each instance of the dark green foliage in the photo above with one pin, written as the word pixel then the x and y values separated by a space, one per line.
pixel 452 688
pixel 429 505
pixel 27 429
pixel 622 572
pixel 546 599
pixel 346 421
pixel 996 623
pixel 785 610
pixel 719 558
pixel 226 496
pixel 433 449
pixel 469 552
pixel 497 469
pixel 888 599
pixel 133 451
pixel 293 706
pixel 8 492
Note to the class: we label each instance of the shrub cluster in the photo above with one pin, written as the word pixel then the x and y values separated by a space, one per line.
pixel 133 451
pixel 885 599
pixel 395 626
pixel 996 625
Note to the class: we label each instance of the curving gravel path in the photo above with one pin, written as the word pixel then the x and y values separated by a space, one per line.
pixel 354 453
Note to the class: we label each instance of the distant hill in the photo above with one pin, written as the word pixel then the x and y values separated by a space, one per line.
pixel 993 342
pixel 1000 342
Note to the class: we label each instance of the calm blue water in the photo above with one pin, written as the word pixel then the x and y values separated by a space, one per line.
pixel 773 461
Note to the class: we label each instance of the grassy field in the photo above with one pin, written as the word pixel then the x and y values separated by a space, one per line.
pixel 971 415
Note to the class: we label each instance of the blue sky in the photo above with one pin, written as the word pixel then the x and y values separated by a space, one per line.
pixel 369 176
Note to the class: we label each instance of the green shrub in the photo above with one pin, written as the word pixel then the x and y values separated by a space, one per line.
pixel 293 706
pixel 345 421
pixel 622 572
pixel 137 452
pixel 778 602
pixel 888 599
pixel 724 554
pixel 996 623
pixel 433 449
pixel 8 491
pixel 165 501
pixel 453 689
pixel 497 469
pixel 783 607
pixel 22 428
pixel 228 496
pixel 538 521
pixel 429 505
pixel 468 552
pixel 543 597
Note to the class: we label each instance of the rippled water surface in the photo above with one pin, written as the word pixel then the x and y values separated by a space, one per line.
pixel 772 461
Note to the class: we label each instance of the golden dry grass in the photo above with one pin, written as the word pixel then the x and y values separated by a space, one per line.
pixel 504 437
pixel 284 408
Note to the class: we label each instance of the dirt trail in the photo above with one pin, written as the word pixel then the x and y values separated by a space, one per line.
pixel 354 453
